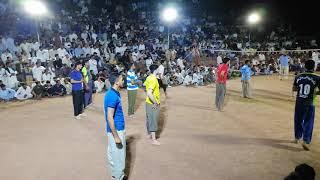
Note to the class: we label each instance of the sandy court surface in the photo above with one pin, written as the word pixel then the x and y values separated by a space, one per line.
pixel 40 140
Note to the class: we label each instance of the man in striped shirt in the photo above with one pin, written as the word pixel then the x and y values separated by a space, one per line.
pixel 132 87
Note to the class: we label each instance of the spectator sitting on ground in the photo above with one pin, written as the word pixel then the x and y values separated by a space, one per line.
pixel 99 85
pixel 58 89
pixel 6 94
pixel 37 90
pixel 67 84
pixel 24 92
pixel 47 89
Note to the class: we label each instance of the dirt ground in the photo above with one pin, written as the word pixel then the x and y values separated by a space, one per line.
pixel 40 140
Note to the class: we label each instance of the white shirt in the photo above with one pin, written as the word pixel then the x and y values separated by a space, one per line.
pixel 21 93
pixel 87 50
pixel 73 36
pixel 67 60
pixel 141 47
pixel 219 60
pixel 135 56
pixel 47 77
pixel 160 72
pixel 93 50
pixel 180 63
pixel 37 72
pixel 62 52
pixel 262 57
pixel 315 56
pixel 149 62
pixel 93 66
pixel 4 57
pixel 99 85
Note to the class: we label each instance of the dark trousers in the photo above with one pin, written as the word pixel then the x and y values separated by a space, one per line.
pixel 88 94
pixel 161 85
pixel 77 97
pixel 303 121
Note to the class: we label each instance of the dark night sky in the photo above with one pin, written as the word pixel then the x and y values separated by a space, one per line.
pixel 298 14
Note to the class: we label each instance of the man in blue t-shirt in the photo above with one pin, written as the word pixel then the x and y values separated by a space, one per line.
pixel 115 128
pixel 77 91
pixel 307 86
pixel 284 66
pixel 245 79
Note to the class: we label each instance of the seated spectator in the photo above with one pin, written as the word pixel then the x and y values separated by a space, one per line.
pixel 24 92
pixel 58 89
pixel 47 89
pixel 37 90
pixel 187 80
pixel 99 85
pixel 6 94
pixel 67 84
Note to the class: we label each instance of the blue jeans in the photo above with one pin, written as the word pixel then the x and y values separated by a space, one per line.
pixel 303 121
pixel 116 156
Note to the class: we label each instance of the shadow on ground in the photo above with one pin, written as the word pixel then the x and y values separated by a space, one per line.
pixel 130 153
pixel 233 140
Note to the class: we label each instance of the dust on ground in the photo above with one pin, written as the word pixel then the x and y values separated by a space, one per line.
pixel 40 140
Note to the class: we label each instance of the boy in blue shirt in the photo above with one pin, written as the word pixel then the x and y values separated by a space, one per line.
pixel 115 128
pixel 245 79
pixel 306 85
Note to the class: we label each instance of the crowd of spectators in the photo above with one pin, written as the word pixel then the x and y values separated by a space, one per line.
pixel 114 35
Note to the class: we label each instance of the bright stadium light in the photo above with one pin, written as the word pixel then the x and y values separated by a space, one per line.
pixel 169 14
pixel 35 7
pixel 254 18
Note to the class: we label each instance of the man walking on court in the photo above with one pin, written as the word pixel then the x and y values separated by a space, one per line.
pixel 284 66
pixel 77 91
pixel 222 75
pixel 306 85
pixel 245 79
pixel 152 104
pixel 115 128
pixel 132 87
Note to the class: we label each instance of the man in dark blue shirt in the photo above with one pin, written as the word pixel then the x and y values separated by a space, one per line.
pixel 77 90
pixel 58 89
pixel 115 128
pixel 306 85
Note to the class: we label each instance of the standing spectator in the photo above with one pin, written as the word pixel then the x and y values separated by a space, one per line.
pixel 115 128
pixel 152 104
pixel 6 94
pixel 245 79
pixel 37 71
pixel 284 66
pixel 37 90
pixel 222 75
pixel 160 77
pixel 132 87
pixel 87 81
pixel 307 85
pixel 24 92
pixel 77 91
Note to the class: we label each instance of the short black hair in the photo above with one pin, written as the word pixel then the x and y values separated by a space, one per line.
pixel 309 64
pixel 153 67
pixel 305 171
pixel 2 85
pixel 247 61
pixel 225 60
pixel 114 77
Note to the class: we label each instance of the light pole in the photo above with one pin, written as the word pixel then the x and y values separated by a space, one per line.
pixel 253 19
pixel 169 15
pixel 35 8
